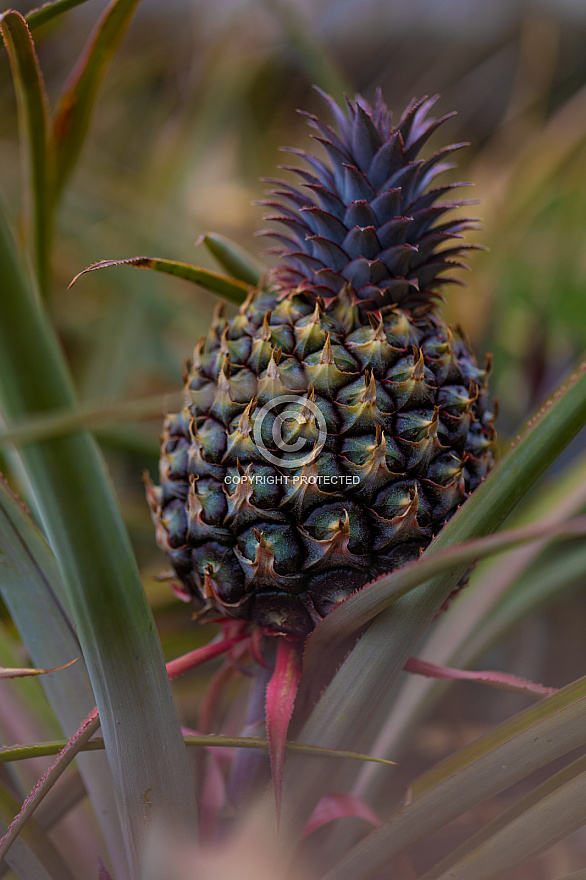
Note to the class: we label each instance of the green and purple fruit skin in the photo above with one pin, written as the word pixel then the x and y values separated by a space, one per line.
pixel 349 332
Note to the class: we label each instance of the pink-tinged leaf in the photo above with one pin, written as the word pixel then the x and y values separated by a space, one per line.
pixel 361 607
pixel 48 780
pixel 74 112
pixel 281 693
pixel 202 655
pixel 103 873
pixel 229 288
pixel 340 806
pixel 214 693
pixel 7 672
pixel 213 797
pixel 501 680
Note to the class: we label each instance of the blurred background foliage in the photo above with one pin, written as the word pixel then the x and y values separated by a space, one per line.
pixel 194 107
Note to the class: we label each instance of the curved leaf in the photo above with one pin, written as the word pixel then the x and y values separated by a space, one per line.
pixel 492 764
pixel 519 807
pixel 33 114
pixel 34 856
pixel 48 11
pixel 77 103
pixel 502 680
pixel 197 740
pixel 541 826
pixel 234 291
pixel 351 614
pixel 358 696
pixel 233 257
pixel 59 422
pixel 86 530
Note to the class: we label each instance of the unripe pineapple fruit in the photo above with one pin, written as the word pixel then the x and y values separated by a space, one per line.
pixel 333 426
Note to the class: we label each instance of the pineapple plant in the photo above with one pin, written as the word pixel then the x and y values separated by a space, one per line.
pixel 335 424
pixel 346 413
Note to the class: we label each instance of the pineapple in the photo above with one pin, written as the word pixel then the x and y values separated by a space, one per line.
pixel 333 426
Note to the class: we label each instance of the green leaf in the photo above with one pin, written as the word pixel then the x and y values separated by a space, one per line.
pixel 541 826
pixel 488 766
pixel 519 807
pixel 77 102
pixel 475 621
pixel 211 740
pixel 33 593
pixel 233 258
pixel 356 700
pixel 361 607
pixel 234 291
pixel 33 115
pixel 60 422
pixel 48 11
pixel 84 525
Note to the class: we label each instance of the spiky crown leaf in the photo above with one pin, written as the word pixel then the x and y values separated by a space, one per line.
pixel 370 218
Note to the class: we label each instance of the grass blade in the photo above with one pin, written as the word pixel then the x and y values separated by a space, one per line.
pixel 233 258
pixel 361 607
pixel 485 768
pixel 233 291
pixel 475 619
pixel 33 115
pixel 58 423
pixel 196 740
pixel 33 592
pixel 519 807
pixel 48 11
pixel 114 622
pixel 537 829
pixel 357 696
pixel 76 105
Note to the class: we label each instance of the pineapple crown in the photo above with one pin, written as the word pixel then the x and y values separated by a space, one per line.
pixel 369 219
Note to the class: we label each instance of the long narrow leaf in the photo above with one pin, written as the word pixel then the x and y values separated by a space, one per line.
pixel 502 680
pixel 519 807
pixel 34 856
pixel 77 103
pixel 461 636
pixel 280 699
pixel 358 695
pixel 210 740
pixel 34 124
pixel 233 258
pixel 22 672
pixel 114 623
pixel 487 767
pixel 48 11
pixel 361 607
pixel 536 830
pixel 233 291
pixel 33 592
pixel 45 784
pixel 55 424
